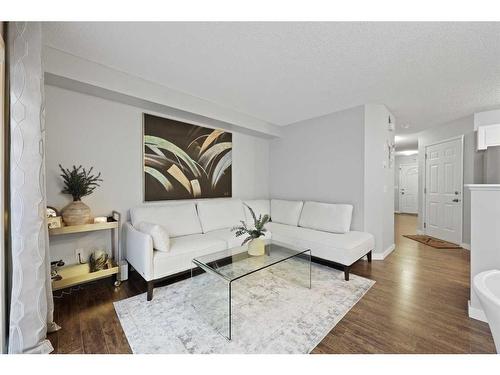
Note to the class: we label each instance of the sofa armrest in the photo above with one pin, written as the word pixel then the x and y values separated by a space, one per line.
pixel 139 251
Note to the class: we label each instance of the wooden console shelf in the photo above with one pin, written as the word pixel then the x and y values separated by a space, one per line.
pixel 83 228
pixel 80 273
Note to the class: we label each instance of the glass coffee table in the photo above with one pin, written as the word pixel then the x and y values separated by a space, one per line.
pixel 215 276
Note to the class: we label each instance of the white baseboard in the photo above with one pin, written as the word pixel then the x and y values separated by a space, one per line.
pixel 466 246
pixel 420 231
pixel 477 314
pixel 397 212
pixel 383 255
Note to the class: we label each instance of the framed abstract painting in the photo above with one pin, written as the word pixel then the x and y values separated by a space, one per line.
pixel 185 161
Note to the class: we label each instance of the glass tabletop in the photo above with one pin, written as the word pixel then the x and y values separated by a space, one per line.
pixel 234 263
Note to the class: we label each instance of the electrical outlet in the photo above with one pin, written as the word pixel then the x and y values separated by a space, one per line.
pixel 79 255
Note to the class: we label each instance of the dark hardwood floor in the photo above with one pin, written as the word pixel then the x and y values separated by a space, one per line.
pixel 418 305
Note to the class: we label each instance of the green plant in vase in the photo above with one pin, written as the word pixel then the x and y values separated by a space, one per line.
pixel 256 245
pixel 78 182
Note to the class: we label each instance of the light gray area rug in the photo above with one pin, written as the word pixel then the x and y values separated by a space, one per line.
pixel 273 311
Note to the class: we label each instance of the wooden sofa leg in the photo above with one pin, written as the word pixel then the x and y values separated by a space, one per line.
pixel 369 256
pixel 346 272
pixel 151 285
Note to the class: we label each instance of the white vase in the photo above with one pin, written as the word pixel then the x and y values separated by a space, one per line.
pixel 256 247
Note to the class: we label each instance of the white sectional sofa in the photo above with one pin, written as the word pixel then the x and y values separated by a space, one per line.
pixel 203 227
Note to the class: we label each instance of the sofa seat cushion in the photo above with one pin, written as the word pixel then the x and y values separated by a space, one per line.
pixel 286 212
pixel 344 248
pixel 220 214
pixel 230 238
pixel 182 251
pixel 177 219
pixel 327 217
pixel 227 236
pixel 259 207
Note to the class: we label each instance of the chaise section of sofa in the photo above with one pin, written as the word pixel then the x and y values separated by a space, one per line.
pixel 325 229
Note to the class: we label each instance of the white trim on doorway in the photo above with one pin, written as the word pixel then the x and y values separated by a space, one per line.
pixel 461 138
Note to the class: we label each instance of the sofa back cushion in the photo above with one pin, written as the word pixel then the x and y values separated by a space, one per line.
pixel 177 219
pixel 326 217
pixel 220 214
pixel 259 207
pixel 161 239
pixel 286 212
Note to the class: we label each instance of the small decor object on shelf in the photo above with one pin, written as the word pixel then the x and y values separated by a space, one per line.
pixel 51 212
pixel 98 260
pixel 54 275
pixel 54 222
pixel 79 183
pixel 100 219
pixel 256 245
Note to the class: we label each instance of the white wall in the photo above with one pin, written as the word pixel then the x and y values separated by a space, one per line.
pixel 401 159
pixel 76 73
pixel 491 170
pixel 473 164
pixel 321 159
pixel 92 131
pixel 378 178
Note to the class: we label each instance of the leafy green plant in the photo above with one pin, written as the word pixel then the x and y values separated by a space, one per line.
pixel 79 182
pixel 253 233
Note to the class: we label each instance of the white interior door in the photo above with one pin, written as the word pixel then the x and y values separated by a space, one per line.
pixel 443 190
pixel 408 188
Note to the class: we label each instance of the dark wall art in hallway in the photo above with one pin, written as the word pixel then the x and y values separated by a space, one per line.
pixel 185 161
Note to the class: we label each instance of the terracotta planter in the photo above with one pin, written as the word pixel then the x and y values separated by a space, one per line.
pixel 76 213
pixel 256 247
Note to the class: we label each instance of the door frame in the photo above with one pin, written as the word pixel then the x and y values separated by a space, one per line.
pixel 424 205
pixel 399 184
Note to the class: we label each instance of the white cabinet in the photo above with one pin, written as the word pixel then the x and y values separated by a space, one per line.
pixel 485 237
pixel 487 136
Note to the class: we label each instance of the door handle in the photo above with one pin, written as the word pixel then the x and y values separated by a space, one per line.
pixel 456 200
pixel 402 193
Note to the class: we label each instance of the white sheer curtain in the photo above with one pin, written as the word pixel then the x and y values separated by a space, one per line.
pixel 31 302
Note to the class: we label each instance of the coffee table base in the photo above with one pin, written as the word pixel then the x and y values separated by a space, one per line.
pixel 213 299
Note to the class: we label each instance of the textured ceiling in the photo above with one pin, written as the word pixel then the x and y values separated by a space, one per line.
pixel 426 73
